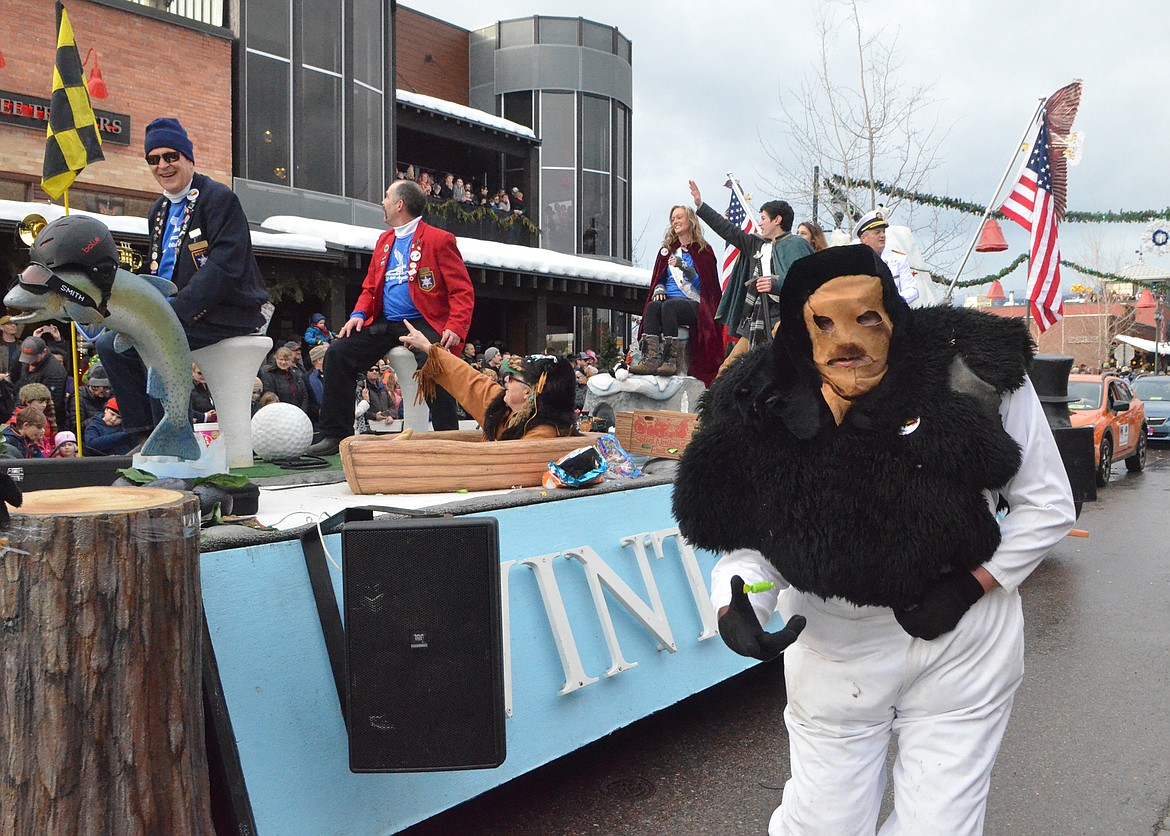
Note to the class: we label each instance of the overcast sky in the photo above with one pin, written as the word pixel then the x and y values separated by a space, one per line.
pixel 710 79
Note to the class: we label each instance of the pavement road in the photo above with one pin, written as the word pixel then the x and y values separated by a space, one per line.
pixel 1087 751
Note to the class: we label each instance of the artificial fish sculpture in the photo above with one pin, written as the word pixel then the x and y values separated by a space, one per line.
pixel 74 274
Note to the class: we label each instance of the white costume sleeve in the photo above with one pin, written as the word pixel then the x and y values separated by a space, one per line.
pixel 899 265
pixel 1039 497
pixel 750 565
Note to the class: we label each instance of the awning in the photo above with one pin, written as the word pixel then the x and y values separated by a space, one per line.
pixel 128 227
pixel 1145 345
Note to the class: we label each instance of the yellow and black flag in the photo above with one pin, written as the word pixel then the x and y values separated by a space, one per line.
pixel 73 141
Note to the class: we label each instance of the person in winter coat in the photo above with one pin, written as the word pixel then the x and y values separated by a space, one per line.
pixel 536 400
pixel 104 434
pixel 285 380
pixel 22 439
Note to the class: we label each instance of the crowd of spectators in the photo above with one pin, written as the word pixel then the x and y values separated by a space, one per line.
pixel 37 411
pixel 444 186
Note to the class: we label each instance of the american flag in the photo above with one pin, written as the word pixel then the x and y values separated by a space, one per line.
pixel 1032 205
pixel 738 215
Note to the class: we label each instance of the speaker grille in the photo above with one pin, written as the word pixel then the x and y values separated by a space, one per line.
pixel 424 656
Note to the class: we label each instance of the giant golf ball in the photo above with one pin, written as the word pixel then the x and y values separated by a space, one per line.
pixel 281 431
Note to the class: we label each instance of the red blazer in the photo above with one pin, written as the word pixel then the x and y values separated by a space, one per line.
pixel 439 286
pixel 706 343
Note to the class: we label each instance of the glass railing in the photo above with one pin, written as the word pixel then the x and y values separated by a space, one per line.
pixel 483 223
pixel 204 11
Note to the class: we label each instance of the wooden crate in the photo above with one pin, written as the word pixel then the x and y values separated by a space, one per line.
pixel 448 461
pixel 659 432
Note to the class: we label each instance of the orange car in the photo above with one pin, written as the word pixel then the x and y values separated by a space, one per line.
pixel 1117 416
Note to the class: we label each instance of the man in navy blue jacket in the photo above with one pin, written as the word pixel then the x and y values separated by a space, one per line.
pixel 199 239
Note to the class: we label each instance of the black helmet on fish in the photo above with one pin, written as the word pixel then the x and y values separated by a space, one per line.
pixel 81 243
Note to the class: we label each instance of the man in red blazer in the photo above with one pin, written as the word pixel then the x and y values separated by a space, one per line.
pixel 416 274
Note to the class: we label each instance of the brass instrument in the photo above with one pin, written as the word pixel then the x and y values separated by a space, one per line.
pixel 30 227
pixel 128 258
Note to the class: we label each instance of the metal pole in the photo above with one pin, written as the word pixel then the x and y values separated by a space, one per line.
pixel 1157 335
pixel 816 190
pixel 991 203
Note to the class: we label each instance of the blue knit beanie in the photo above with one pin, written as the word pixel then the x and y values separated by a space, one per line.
pixel 166 132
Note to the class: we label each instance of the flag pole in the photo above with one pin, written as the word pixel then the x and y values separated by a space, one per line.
pixel 76 388
pixel 747 207
pixel 991 203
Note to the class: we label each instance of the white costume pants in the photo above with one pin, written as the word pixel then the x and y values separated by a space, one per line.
pixel 855 678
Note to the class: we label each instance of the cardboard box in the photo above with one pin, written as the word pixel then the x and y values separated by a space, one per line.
pixel 660 432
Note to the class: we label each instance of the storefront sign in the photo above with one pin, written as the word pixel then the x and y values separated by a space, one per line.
pixel 33 112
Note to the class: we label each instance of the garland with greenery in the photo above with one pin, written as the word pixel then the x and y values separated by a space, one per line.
pixel 296 288
pixel 452 209
pixel 935 277
pixel 1020 259
pixel 943 202
pixel 608 354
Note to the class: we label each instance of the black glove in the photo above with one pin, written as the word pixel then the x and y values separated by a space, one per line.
pixel 943 604
pixel 10 493
pixel 741 630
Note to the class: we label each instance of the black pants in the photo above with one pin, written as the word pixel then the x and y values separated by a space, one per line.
pixel 664 318
pixel 348 359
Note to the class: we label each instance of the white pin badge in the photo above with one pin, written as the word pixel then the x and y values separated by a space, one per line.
pixel 909 426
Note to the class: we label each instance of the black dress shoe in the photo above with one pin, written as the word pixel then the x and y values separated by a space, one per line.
pixel 327 446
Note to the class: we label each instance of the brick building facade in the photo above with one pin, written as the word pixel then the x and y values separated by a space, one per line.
pixel 152 67
pixel 430 56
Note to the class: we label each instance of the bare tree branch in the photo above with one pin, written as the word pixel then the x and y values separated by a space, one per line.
pixel 883 128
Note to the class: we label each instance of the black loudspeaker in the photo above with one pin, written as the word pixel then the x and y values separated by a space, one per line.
pixel 423 644
pixel 1078 452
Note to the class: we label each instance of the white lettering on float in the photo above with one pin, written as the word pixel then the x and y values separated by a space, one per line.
pixel 599 574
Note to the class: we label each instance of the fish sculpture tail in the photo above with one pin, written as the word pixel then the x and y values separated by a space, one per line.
pixel 172 439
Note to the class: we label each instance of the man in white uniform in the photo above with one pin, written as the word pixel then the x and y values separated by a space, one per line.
pixel 871 231
pixel 908 485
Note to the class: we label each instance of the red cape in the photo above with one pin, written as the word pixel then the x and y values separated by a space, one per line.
pixel 706 346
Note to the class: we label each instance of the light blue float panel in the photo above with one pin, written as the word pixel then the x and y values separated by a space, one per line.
pixel 283 702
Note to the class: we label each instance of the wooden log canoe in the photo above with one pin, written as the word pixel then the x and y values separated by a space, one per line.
pixel 449 461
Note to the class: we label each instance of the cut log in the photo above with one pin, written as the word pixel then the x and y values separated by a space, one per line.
pixel 101 717
pixel 450 460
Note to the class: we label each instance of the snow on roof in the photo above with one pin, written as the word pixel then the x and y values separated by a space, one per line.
pixel 1144 272
pixel 13 210
pixel 477 253
pixel 467 114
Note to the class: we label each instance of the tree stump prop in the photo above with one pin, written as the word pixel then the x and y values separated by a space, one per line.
pixel 101 716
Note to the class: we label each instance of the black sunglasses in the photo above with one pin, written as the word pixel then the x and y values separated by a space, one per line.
pixel 171 157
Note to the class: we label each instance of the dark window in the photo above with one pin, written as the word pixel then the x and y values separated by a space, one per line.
pixel 558 30
pixel 269 26
pixel 595 226
pixel 558 129
pixel 558 215
pixel 516 33
pixel 366 145
pixel 268 132
pixel 621 118
pixel 518 107
pixel 596 36
pixel 367 42
pixel 320 32
pixel 319 159
pixel 595 133
pixel 621 247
